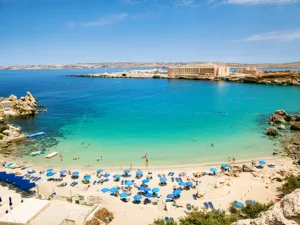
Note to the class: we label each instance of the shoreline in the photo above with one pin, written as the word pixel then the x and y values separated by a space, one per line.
pixel 155 168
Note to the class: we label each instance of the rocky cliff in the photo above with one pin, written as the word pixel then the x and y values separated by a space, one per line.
pixel 285 212
pixel 18 107
pixel 276 78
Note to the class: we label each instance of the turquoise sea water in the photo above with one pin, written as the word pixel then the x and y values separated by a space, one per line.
pixel 175 121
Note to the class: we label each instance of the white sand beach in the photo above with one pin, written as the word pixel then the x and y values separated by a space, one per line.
pixel 220 189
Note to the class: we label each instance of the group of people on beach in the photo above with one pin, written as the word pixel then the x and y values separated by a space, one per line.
pixel 233 159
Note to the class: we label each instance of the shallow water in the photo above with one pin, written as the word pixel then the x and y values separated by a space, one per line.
pixel 175 121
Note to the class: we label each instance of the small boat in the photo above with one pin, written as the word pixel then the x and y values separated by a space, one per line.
pixel 50 155
pixel 36 134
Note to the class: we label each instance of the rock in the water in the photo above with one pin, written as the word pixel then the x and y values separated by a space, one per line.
pixel 281 127
pixel 285 212
pixel 247 168
pixel 281 113
pixel 277 118
pixel 24 106
pixel 296 126
pixel 271 132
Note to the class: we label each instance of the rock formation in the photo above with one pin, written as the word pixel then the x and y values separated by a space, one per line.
pixel 271 132
pixel 295 126
pixel 18 107
pixel 285 212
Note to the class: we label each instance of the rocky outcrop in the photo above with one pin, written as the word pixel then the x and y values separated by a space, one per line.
pixel 285 212
pixel 18 107
pixel 276 78
pixel 295 126
pixel 277 119
pixel 271 132
pixel 246 168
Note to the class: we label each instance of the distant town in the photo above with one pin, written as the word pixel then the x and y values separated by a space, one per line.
pixel 145 65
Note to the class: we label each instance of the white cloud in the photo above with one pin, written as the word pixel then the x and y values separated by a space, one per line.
pixel 252 2
pixel 278 36
pixel 106 20
pixel 186 3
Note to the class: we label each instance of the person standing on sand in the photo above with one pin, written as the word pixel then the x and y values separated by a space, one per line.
pixel 233 159
pixel 229 159
pixel 147 161
pixel 131 166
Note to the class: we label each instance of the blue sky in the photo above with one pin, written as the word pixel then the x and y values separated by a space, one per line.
pixel 72 31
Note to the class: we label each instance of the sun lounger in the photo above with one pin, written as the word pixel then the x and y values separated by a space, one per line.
pixel 188 206
pixel 211 205
pixel 271 165
pixel 205 205
pixel 180 179
pixel 122 182
pixel 172 219
pixel 169 174
pixel 186 212
pixel 195 196
pixel 166 219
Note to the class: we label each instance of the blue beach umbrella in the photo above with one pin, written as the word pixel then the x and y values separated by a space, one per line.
pixel 117 176
pixel 155 190
pixel 113 190
pixel 147 189
pixel 123 195
pixel 137 197
pixel 170 196
pixel 49 170
pixel 104 190
pixel 141 188
pixel 63 171
pixel 214 170
pixel 163 179
pixel 149 195
pixel 126 171
pixel 106 175
pixel 50 174
pixel 129 183
pixel 177 192
pixel 181 184
pixel 226 167
pixel 238 204
pixel 261 162
pixel 99 171
pixel 139 172
pixel 146 181
pixel 189 183
pixel 75 173
pixel 87 177
pixel 223 165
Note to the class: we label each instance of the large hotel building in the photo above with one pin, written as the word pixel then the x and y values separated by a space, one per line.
pixel 199 70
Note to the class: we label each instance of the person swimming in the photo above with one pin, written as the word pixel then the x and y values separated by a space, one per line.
pixel 98 158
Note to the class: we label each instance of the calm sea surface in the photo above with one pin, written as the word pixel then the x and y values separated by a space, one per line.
pixel 175 121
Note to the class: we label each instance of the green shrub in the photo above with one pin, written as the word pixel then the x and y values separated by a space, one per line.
pixel 252 211
pixel 202 217
pixel 291 183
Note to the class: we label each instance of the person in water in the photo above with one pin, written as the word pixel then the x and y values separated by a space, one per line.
pixel 212 144
pixel 101 157
pixel 98 158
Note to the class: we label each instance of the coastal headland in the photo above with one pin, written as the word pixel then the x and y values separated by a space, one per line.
pixel 269 78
